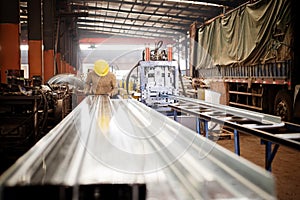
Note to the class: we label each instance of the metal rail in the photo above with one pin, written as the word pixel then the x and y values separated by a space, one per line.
pixel 125 143
pixel 267 127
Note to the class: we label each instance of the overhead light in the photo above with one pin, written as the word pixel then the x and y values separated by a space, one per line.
pixel 92 46
pixel 87 46
pixel 24 47
pixel 196 3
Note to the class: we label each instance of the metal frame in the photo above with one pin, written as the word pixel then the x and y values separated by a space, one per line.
pixel 161 98
pixel 155 16
pixel 261 125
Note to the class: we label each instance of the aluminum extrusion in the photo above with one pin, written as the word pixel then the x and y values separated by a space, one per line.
pixel 121 142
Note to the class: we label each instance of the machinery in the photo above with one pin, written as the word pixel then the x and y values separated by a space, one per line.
pixel 158 79
pixel 157 76
pixel 29 110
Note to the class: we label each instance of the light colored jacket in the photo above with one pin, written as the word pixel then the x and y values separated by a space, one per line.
pixel 100 84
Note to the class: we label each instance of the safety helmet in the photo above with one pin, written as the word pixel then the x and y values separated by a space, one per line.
pixel 101 67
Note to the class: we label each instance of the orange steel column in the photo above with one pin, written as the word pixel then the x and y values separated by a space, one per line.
pixel 9 49
pixel 67 67
pixel 35 55
pixel 63 66
pixel 48 38
pixel 48 64
pixel 35 58
pixel 9 37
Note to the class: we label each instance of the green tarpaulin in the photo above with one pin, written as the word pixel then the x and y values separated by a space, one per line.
pixel 256 33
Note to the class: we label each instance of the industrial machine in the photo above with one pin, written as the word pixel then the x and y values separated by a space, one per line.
pixel 158 79
pixel 29 110
pixel 157 76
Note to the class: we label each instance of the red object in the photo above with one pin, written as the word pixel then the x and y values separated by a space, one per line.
pixel 147 54
pixel 170 54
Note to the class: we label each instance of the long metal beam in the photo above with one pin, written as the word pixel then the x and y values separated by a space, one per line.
pixel 245 121
pixel 128 31
pixel 90 32
pixel 101 16
pixel 202 11
pixel 92 8
pixel 227 3
pixel 127 144
pixel 166 31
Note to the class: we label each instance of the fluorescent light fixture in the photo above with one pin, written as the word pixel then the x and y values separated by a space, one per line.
pixel 196 3
pixel 24 47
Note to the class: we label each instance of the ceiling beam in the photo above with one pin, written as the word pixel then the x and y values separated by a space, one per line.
pixel 128 29
pixel 226 3
pixel 127 34
pixel 82 21
pixel 181 26
pixel 165 5
pixel 89 8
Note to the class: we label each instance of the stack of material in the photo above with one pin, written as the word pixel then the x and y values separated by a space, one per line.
pixel 122 149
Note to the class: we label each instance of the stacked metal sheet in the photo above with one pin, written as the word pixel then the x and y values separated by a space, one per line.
pixel 121 149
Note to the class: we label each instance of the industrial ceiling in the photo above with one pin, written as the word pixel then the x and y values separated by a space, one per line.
pixel 141 18
pixel 126 22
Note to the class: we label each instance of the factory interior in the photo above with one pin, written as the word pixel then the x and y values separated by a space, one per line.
pixel 205 103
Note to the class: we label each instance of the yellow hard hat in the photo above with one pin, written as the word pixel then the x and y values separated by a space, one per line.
pixel 101 67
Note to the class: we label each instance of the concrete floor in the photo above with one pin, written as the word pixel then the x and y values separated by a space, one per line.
pixel 285 166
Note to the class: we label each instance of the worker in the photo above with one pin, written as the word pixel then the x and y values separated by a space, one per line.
pixel 100 80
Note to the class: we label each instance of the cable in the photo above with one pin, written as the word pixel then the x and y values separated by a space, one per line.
pixel 128 76
pixel 45 111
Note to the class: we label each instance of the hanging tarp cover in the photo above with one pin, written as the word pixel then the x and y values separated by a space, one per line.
pixel 256 33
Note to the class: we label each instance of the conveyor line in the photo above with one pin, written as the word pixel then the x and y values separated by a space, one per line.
pixel 239 119
pixel 267 127
pixel 129 149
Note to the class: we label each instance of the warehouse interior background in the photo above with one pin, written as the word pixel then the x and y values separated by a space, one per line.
pixel 113 29
pixel 47 47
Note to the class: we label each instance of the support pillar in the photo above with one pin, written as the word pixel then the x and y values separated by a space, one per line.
pixel 193 50
pixel 48 38
pixel 48 64
pixel 63 66
pixel 58 63
pixel 75 56
pixel 35 53
pixel 9 37
pixel 67 67
pixel 62 45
